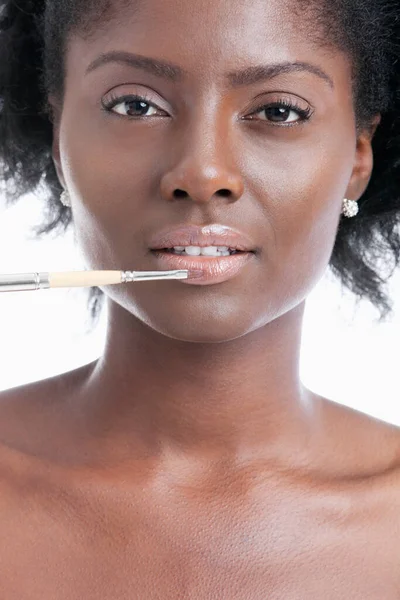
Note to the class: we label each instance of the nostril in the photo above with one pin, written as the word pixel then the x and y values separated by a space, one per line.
pixel 180 193
pixel 225 193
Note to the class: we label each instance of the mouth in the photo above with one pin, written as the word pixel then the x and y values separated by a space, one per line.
pixel 216 252
pixel 208 252
pixel 212 265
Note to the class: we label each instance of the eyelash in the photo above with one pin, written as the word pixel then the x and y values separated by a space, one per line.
pixel 305 114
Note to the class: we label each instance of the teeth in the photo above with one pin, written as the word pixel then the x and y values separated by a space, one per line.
pixel 212 251
pixel 207 251
pixel 193 250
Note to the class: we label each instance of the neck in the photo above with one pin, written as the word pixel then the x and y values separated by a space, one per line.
pixel 155 395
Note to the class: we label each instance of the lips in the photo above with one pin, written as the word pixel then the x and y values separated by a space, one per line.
pixel 205 270
pixel 202 236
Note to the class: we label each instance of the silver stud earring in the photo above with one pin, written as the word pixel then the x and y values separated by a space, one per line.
pixel 65 199
pixel 350 208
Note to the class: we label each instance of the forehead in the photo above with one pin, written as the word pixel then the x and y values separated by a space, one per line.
pixel 207 37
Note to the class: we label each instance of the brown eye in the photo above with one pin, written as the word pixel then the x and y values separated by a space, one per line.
pixel 131 106
pixel 283 112
pixel 278 113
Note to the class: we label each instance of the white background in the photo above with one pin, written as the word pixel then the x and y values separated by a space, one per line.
pixel 346 355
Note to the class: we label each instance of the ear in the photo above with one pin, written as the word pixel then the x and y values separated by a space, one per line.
pixel 56 120
pixel 364 161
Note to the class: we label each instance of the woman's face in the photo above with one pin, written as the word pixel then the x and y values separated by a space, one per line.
pixel 202 132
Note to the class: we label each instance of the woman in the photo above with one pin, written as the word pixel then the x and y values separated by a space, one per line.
pixel 190 461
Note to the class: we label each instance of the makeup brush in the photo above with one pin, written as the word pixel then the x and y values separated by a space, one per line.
pixel 24 282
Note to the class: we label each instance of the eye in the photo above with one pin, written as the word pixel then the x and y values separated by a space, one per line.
pixel 131 106
pixel 284 112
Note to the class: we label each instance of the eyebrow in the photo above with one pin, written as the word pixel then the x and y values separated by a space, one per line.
pixel 171 72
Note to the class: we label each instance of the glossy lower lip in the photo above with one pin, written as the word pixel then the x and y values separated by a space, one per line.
pixel 213 269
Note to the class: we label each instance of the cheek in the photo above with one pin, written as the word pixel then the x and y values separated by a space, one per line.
pixel 305 241
pixel 301 194
pixel 108 159
pixel 113 182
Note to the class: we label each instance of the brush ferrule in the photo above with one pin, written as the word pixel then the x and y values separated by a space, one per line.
pixel 128 276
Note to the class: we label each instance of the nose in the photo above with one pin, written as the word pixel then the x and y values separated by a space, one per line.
pixel 204 170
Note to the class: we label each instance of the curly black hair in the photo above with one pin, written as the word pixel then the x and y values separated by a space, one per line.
pixel 33 40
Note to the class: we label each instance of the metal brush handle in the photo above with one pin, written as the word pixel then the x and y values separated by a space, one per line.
pixel 24 282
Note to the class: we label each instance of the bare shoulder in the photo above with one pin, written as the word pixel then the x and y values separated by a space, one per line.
pixel 366 443
pixel 33 413
pixel 32 436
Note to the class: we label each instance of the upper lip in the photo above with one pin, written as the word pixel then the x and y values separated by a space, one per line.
pixel 202 236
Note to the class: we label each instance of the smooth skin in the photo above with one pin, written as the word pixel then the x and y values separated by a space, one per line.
pixel 190 461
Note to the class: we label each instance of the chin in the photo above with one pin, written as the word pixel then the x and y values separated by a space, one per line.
pixel 202 320
pixel 206 329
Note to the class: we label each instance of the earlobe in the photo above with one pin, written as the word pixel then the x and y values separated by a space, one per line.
pixel 374 124
pixel 56 157
pixel 364 162
pixel 55 119
pixel 57 160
